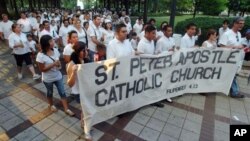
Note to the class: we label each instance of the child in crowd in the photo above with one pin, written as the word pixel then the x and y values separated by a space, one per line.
pixel 134 40
pixel 32 46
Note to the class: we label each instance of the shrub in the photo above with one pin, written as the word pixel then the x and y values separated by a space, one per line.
pixel 206 23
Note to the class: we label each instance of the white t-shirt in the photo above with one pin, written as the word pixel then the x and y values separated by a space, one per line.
pixel 5 27
pixel 108 36
pixel 52 33
pixel 93 31
pixel 222 31
pixel 119 49
pixel 55 27
pixel 128 26
pixel 187 41
pixel 230 38
pixel 15 39
pixel 146 47
pixel 246 42
pixel 68 50
pixel 53 74
pixel 33 21
pixel 164 44
pixel 137 28
pixel 81 34
pixel 210 45
pixel 134 43
pixel 63 32
pixel 32 45
pixel 26 25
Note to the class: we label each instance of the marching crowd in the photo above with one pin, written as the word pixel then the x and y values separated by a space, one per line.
pixel 38 38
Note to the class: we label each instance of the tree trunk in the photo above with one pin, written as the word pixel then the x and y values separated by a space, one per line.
pixel 15 7
pixel 11 4
pixel 108 6
pixel 3 7
pixel 155 6
pixel 139 6
pixel 22 5
pixel 126 6
pixel 39 4
pixel 30 5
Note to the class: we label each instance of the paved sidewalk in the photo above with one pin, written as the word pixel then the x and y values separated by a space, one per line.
pixel 24 115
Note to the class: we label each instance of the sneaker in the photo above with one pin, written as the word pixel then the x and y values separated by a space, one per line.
pixel 36 76
pixel 237 96
pixel 169 100
pixel 53 108
pixel 19 76
pixel 158 104
pixel 69 112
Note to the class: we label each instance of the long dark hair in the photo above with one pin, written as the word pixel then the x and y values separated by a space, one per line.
pixel 78 47
pixel 44 42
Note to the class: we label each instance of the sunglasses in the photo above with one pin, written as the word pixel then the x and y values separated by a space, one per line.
pixel 237 37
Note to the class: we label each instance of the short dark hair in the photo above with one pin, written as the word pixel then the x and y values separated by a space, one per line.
pixel 133 34
pixel 13 27
pixel 85 23
pixel 188 26
pixel 226 21
pixel 29 35
pixel 44 22
pixel 150 28
pixel 166 27
pixel 119 27
pixel 151 20
pixel 71 33
pixel 44 42
pixel 65 20
pixel 96 16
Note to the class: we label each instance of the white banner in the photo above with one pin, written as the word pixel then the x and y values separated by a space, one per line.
pixel 116 86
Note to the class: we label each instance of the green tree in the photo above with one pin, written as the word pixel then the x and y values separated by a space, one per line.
pixel 213 7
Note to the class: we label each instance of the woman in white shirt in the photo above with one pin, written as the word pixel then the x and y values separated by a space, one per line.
pixel 211 41
pixel 108 33
pixel 19 43
pixel 82 36
pixel 49 65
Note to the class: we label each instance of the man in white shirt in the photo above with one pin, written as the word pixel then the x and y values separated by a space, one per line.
pixel 48 31
pixel 120 46
pixel 188 40
pixel 25 23
pixel 166 42
pixel 63 32
pixel 224 28
pixel 138 26
pixel 146 46
pixel 94 37
pixel 5 28
pixel 232 39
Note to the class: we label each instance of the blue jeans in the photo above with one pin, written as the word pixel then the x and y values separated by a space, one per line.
pixel 235 87
pixel 91 56
pixel 59 86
